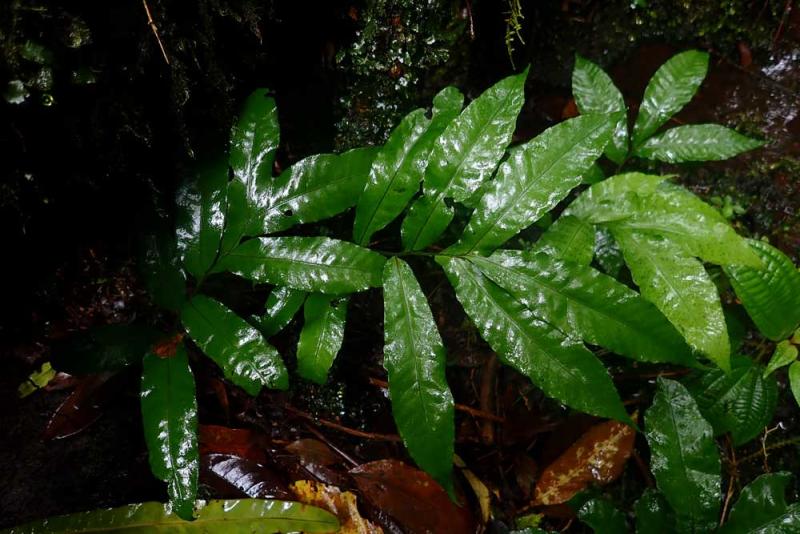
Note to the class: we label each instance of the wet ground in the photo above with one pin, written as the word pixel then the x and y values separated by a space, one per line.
pixel 754 85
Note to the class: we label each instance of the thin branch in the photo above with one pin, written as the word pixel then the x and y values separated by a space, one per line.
pixel 341 428
pixel 152 24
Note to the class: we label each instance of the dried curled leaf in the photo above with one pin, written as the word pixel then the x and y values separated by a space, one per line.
pixel 598 456
pixel 340 503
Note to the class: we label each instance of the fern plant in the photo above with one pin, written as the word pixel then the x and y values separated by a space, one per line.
pixel 536 306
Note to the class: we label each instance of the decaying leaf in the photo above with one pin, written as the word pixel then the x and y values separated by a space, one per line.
pixel 414 499
pixel 598 456
pixel 240 442
pixel 232 476
pixel 36 380
pixel 340 503
pixel 313 451
pixel 79 410
pixel 478 487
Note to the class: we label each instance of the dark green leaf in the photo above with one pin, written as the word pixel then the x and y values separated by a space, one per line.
pixel 393 179
pixel 254 140
pixel 239 349
pixel 533 180
pixel 770 294
pixel 282 305
pixel 160 269
pixel 696 142
pixel 169 415
pixel 313 264
pixel 680 287
pixel 785 353
pixel 570 239
pixel 607 252
pixel 243 516
pixel 201 206
pixel 321 337
pixel 582 302
pixel 316 188
pixel 595 93
pixel 464 156
pixel 104 348
pixel 594 175
pixel 562 367
pixel 762 508
pixel 671 87
pixel 415 359
pixel 603 517
pixel 741 402
pixel 653 514
pixel 794 380
pixel 684 457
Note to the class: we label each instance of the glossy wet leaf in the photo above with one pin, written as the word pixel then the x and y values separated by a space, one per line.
pixel 313 264
pixel 584 303
pixel 762 508
pixel 562 367
pixel 415 359
pixel 316 188
pixel 240 442
pixel 770 294
pixel 200 216
pixel 570 239
pixel 680 287
pixel 684 457
pixel 607 253
pixel 741 402
pixel 785 353
pixel 794 380
pixel 671 87
pixel 103 348
pixel 254 141
pixel 594 92
pixel 411 497
pixel 239 349
pixel 321 336
pixel 464 157
pixel 169 415
pixel 653 514
pixel 241 516
pixel 281 306
pixel 597 457
pixel 603 517
pixel 533 180
pixel 80 409
pixel 696 142
pixel 242 477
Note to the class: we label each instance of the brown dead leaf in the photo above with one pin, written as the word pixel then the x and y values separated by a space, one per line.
pixel 414 499
pixel 598 456
pixel 340 503
pixel 240 442
pixel 82 408
pixel 313 451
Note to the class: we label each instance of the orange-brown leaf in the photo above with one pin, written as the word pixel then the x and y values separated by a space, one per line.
pixel 598 456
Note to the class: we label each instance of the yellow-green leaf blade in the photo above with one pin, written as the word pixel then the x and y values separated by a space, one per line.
pixel 696 142
pixel 570 239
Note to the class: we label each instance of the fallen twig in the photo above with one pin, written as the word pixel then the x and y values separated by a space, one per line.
pixel 152 24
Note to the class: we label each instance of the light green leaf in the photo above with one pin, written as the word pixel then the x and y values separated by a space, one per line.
pixel 399 166
pixel 582 302
pixel 741 402
pixel 415 360
pixel 393 179
pixel 200 217
pixel 281 306
pixel 239 349
pixel 762 508
pixel 313 264
pixel 785 353
pixel 794 380
pixel 321 337
pixel 242 516
pixel 680 287
pixel 315 188
pixel 603 201
pixel 696 142
pixel 569 239
pixel 684 457
pixel 653 514
pixel 463 157
pixel 671 87
pixel 602 517
pixel 562 367
pixel 169 415
pixel 533 180
pixel 770 294
pixel 595 93
pixel 594 175
pixel 254 141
